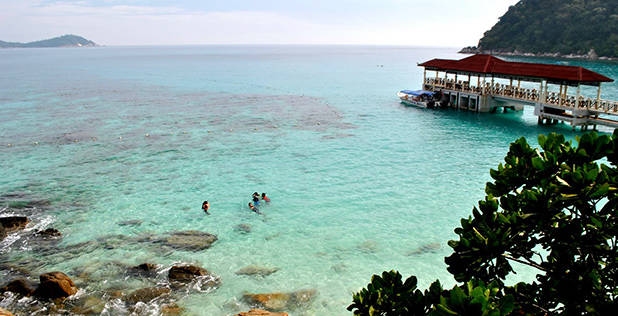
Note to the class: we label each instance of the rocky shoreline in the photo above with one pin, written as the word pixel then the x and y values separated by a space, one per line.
pixel 591 55
pixel 112 287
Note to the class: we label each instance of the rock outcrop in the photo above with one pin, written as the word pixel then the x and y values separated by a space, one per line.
pixel 49 233
pixel 4 312
pixel 55 285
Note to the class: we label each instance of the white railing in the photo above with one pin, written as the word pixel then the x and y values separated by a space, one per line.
pixel 525 94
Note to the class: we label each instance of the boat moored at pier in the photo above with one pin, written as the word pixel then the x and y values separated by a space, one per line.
pixel 420 98
pixel 484 83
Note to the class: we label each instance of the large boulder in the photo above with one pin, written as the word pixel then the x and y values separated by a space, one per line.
pixel 146 295
pixel 2 232
pixel 190 240
pixel 186 273
pixel 19 286
pixel 260 312
pixel 14 223
pixel 281 301
pixel 254 270
pixel 55 285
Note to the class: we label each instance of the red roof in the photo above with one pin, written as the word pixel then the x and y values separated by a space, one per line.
pixel 487 64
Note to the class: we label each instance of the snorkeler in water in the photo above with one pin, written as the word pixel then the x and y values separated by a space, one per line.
pixel 256 201
pixel 205 207
pixel 265 198
pixel 253 208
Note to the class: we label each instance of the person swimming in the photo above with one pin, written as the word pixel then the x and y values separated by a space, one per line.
pixel 265 198
pixel 256 200
pixel 253 208
pixel 205 207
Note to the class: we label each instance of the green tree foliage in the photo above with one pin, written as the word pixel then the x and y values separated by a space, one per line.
pixel 556 26
pixel 553 209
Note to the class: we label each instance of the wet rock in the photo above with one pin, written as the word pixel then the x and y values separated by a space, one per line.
pixel 49 233
pixel 144 269
pixel 19 286
pixel 2 232
pixel 190 240
pixel 427 248
pixel 281 301
pixel 171 309
pixel 134 222
pixel 260 312
pixel 55 285
pixel 256 271
pixel 14 223
pixel 243 228
pixel 4 312
pixel 146 294
pixel 186 273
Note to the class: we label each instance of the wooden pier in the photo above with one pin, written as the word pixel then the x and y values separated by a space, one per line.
pixel 455 80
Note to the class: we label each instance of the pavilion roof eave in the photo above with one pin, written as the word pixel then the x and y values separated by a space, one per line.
pixel 516 77
pixel 487 65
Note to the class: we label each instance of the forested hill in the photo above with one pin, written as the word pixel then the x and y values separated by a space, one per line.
pixel 62 41
pixel 558 27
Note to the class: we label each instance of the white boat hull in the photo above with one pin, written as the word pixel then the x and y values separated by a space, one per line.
pixel 409 100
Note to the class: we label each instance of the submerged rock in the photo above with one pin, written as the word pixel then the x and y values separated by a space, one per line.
pixel 426 248
pixel 281 301
pixel 190 240
pixel 260 312
pixel 146 294
pixel 171 309
pixel 243 228
pixel 133 222
pixel 55 285
pixel 14 223
pixel 256 271
pixel 89 305
pixel 19 286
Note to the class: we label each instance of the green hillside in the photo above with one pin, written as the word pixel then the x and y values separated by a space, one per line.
pixel 62 41
pixel 564 27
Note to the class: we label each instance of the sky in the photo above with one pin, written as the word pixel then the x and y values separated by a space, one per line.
pixel 441 23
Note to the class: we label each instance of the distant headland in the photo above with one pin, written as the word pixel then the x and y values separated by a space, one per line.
pixel 554 28
pixel 61 41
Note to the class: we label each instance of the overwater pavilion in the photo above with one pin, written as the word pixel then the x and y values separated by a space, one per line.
pixel 486 94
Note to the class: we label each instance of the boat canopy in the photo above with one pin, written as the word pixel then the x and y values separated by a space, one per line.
pixel 417 93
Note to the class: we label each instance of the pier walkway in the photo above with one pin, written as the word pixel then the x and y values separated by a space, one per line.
pixel 459 90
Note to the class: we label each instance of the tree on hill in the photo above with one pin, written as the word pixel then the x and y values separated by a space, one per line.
pixel 556 26
pixel 554 209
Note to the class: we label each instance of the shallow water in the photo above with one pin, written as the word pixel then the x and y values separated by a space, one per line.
pixel 359 183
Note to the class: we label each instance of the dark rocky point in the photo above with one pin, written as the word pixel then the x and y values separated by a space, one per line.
pixel 49 233
pixel 14 223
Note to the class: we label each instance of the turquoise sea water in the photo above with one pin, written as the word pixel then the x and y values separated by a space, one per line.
pixel 359 183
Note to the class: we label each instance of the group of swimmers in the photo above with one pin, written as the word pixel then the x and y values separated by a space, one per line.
pixel 256 201
pixel 252 206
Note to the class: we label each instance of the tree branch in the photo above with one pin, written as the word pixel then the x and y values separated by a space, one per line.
pixel 527 262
